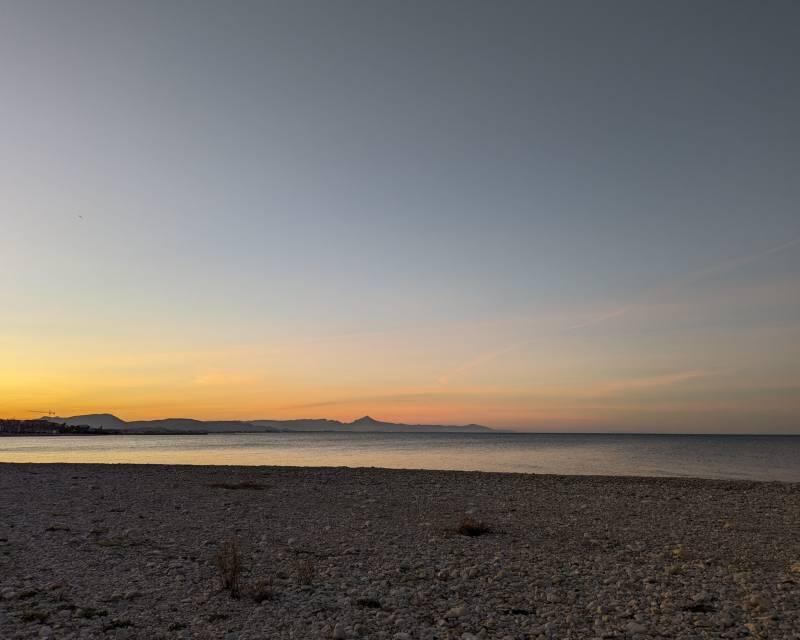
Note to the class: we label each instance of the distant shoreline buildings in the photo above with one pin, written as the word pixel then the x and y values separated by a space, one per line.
pixel 47 428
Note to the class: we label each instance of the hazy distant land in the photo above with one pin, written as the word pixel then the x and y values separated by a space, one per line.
pixel 366 424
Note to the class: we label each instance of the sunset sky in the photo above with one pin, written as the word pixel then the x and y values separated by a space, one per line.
pixel 573 216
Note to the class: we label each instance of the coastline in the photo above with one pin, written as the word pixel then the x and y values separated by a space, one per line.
pixel 127 551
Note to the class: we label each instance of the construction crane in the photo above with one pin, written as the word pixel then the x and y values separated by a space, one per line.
pixel 50 413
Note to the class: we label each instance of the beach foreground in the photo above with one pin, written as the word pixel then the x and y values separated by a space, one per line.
pixel 127 551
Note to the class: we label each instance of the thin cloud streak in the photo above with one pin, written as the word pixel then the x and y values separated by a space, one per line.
pixel 394 397
pixel 646 296
pixel 600 319
pixel 634 384
pixel 691 278
pixel 445 379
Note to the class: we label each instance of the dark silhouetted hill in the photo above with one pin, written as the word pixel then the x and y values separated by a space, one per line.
pixel 189 425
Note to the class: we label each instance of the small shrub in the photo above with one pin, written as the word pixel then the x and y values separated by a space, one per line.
pixel 369 603
pixel 238 486
pixel 117 624
pixel 305 570
pixel 700 607
pixel 34 615
pixel 229 564
pixel 473 528
pixel 89 613
pixel 216 617
pixel 261 591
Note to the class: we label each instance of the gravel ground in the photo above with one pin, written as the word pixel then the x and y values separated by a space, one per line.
pixel 126 551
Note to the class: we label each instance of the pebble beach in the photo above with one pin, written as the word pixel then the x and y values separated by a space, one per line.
pixel 146 551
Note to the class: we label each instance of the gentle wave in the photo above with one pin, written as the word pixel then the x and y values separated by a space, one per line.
pixel 703 456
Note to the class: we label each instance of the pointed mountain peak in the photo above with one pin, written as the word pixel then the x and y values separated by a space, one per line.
pixel 366 420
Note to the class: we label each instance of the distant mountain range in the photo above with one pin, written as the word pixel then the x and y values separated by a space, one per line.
pixel 188 425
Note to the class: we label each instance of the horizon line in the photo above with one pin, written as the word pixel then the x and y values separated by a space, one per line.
pixel 499 430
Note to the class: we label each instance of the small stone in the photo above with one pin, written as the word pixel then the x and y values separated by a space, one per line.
pixel 456 612
pixel 757 601
pixel 635 627
pixel 338 632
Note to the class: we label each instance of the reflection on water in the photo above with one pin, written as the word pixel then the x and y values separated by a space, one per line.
pixel 746 457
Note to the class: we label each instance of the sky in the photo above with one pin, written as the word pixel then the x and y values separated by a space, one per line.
pixel 549 216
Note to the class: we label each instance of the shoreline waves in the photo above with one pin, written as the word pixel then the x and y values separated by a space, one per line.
pixel 716 456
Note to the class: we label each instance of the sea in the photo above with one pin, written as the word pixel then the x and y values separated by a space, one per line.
pixel 740 457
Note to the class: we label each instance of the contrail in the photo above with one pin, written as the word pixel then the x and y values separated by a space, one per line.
pixel 721 267
pixel 601 319
pixel 724 266
pixel 617 386
pixel 444 379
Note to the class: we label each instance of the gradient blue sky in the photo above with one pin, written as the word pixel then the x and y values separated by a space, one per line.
pixel 563 215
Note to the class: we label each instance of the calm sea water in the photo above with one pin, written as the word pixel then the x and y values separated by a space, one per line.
pixel 737 457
